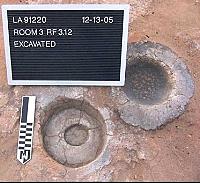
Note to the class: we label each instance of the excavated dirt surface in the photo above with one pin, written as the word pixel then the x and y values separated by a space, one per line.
pixel 171 153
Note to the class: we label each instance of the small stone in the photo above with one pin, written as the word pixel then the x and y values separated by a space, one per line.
pixel 141 155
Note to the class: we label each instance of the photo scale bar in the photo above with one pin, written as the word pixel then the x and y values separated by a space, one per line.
pixel 25 140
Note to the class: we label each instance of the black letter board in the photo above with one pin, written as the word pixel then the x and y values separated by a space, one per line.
pixel 65 44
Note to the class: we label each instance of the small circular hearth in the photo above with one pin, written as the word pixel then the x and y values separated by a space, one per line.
pixel 76 135
pixel 158 86
pixel 74 132
pixel 147 82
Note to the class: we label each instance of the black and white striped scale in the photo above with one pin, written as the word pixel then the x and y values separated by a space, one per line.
pixel 25 140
